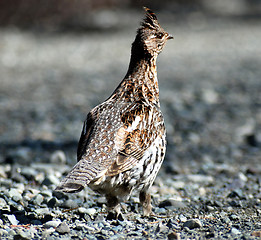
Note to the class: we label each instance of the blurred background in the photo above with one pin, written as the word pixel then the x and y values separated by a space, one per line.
pixel 84 15
pixel 58 59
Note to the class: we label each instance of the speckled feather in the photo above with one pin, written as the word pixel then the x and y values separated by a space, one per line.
pixel 122 144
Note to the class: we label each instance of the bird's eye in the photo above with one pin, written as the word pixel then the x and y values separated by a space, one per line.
pixel 160 35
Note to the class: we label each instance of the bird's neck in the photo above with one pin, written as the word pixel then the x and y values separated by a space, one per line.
pixel 140 82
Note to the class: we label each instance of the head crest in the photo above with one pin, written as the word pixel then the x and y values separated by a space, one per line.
pixel 150 14
pixel 150 19
pixel 151 37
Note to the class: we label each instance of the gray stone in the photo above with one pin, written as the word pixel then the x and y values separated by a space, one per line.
pixel 15 194
pixel 58 157
pixel 209 96
pixel 28 172
pixel 161 228
pixel 12 219
pixel 235 231
pixel 63 228
pixel 38 199
pixel 47 193
pixel 50 179
pixel 159 210
pixel 234 217
pixel 52 202
pixel 42 211
pixel 53 223
pixel 101 200
pixel 172 203
pixel 69 204
pixel 173 236
pixel 192 223
pixel 90 211
pixel 99 218
pixel 182 218
pixel 198 178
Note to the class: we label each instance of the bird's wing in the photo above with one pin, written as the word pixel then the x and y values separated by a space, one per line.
pixel 111 151
pixel 132 139
pixel 86 133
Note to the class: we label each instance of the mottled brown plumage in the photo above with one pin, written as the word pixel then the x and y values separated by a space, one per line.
pixel 122 144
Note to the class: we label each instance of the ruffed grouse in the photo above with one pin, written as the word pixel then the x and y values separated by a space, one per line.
pixel 123 140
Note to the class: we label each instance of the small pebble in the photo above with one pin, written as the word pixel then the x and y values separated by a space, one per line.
pixel 251 140
pixel 90 211
pixel 193 223
pixel 52 202
pixel 12 219
pixel 51 179
pixel 200 178
pixel 69 204
pixel 42 211
pixel 242 177
pixel 63 228
pixel 235 231
pixel 47 193
pixel 29 173
pixel 38 199
pixel 99 218
pixel 160 210
pixel 182 218
pixel 236 193
pixel 161 228
pixel 15 194
pixel 172 203
pixel 173 236
pixel 53 223
pixel 234 217
pixel 58 157
pixel 101 200
pixel 210 96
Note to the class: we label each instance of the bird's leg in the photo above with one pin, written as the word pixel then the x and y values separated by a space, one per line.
pixel 145 200
pixel 114 208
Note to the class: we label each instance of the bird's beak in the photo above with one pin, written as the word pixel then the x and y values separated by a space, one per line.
pixel 170 37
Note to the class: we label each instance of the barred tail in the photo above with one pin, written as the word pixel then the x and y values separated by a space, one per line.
pixel 77 178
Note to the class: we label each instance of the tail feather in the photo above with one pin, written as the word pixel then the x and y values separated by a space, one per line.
pixel 77 178
pixel 69 187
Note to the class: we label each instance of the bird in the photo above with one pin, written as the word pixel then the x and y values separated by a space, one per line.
pixel 123 140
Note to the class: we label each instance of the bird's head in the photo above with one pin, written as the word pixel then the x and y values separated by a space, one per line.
pixel 151 36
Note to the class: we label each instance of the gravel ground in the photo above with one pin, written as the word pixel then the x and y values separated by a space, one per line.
pixel 210 82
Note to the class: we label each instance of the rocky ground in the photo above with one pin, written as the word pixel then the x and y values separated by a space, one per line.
pixel 210 82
